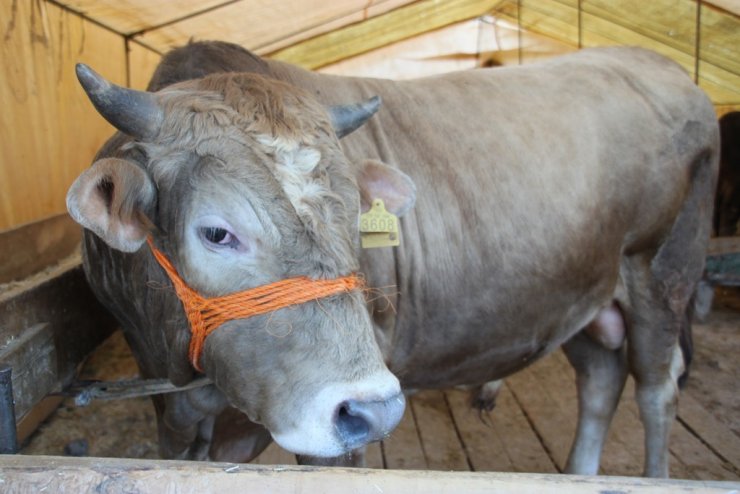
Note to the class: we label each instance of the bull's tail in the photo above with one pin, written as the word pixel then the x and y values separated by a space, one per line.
pixel 686 341
pixel 698 310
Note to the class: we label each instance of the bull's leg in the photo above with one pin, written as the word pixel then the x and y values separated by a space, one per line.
pixel 600 377
pixel 658 399
pixel 660 281
pixel 236 438
pixel 659 297
pixel 185 422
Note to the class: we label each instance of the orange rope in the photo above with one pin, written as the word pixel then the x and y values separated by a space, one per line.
pixel 207 314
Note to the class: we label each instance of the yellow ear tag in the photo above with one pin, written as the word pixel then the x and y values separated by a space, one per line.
pixel 378 227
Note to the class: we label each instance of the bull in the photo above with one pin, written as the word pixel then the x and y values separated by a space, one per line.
pixel 566 203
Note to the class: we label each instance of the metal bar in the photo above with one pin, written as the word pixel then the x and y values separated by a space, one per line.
pixel 85 392
pixel 8 432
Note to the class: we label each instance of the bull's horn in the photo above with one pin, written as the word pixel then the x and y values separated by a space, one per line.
pixel 135 113
pixel 347 118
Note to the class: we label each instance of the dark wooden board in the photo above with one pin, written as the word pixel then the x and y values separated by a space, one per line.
pixel 48 324
pixel 275 455
pixel 32 247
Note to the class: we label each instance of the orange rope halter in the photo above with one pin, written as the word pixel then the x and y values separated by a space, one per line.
pixel 207 314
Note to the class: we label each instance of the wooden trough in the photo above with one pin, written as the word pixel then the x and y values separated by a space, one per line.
pixel 21 474
pixel 49 318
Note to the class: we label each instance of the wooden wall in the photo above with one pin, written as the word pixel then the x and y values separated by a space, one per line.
pixel 49 131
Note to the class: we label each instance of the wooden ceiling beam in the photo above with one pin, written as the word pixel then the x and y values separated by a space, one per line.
pixel 401 23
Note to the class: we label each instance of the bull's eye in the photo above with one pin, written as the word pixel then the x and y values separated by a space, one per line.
pixel 219 236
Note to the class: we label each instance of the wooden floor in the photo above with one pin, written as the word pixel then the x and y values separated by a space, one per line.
pixel 530 429
pixel 533 424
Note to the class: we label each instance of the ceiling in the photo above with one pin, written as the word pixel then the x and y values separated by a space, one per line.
pixel 704 36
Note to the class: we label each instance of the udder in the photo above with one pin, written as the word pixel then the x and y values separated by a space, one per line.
pixel 607 328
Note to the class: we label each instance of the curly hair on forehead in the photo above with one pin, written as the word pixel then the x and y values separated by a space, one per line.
pixel 272 107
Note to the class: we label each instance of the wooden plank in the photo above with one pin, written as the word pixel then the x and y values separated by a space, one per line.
pixel 23 473
pixel 371 9
pixel 702 423
pixel 33 361
pixel 722 109
pixel 667 22
pixel 697 461
pixel 48 324
pixel 442 448
pixel 500 441
pixel 402 449
pixel 49 131
pixel 29 248
pixel 553 419
pixel 486 451
pixel 275 455
pixel 266 25
pixel 722 86
pixel 382 30
pixel 731 6
pixel 719 40
pixel 552 18
pixel 666 26
pixel 132 16
pixel 27 425
pixel 723 245
pixel 374 455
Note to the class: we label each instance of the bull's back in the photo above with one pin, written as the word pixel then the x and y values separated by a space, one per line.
pixel 532 184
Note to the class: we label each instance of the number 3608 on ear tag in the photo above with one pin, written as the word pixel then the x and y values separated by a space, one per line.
pixel 378 227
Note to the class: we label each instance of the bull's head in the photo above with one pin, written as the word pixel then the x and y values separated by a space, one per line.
pixel 240 181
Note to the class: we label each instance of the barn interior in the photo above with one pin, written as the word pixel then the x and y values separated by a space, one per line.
pixel 53 331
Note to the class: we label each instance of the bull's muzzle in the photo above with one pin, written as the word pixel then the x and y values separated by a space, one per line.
pixel 361 422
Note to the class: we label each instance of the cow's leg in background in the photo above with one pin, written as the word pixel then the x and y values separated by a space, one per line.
pixel 600 376
pixel 237 439
pixel 483 398
pixel 198 424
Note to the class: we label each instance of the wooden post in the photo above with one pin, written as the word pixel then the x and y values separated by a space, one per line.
pixel 8 436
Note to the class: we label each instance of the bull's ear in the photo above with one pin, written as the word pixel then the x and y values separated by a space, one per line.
pixel 380 181
pixel 112 198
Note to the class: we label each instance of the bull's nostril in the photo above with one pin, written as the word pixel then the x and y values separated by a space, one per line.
pixel 353 428
pixel 360 422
